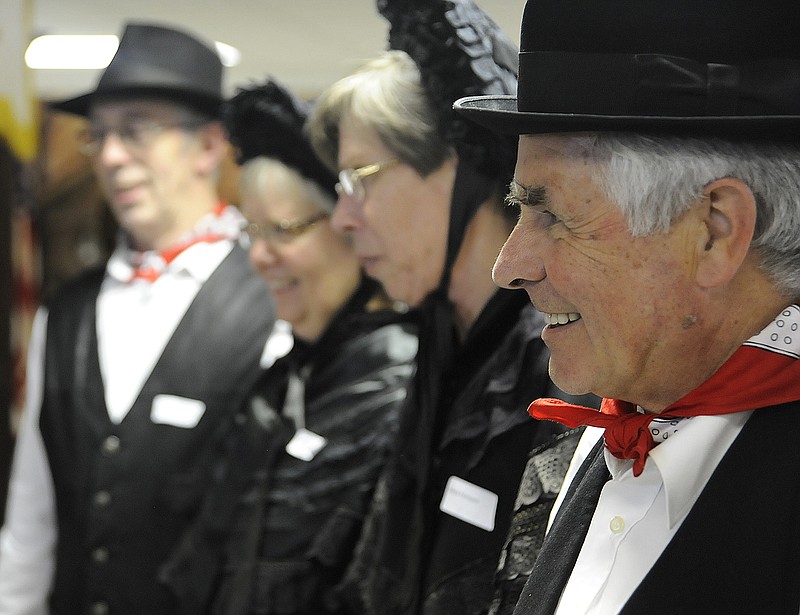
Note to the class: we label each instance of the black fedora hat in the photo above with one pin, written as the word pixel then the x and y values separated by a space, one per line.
pixel 728 68
pixel 153 60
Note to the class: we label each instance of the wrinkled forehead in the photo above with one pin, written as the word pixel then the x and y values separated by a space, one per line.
pixel 539 154
pixel 564 145
pixel 548 164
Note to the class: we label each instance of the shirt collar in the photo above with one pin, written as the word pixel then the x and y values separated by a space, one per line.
pixel 279 343
pixel 198 261
pixel 688 459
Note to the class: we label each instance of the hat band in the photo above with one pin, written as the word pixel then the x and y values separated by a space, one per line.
pixel 655 85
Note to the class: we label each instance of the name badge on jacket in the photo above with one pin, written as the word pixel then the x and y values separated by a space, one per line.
pixel 177 411
pixel 475 505
pixel 305 444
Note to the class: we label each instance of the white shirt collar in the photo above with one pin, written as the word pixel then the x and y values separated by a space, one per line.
pixel 688 459
pixel 198 261
pixel 279 343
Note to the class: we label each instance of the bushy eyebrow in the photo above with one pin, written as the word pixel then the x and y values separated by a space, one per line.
pixel 526 196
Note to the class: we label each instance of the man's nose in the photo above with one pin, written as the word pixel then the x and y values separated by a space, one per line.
pixel 519 262
pixel 112 149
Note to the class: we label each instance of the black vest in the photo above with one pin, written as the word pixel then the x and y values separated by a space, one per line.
pixel 738 550
pixel 124 493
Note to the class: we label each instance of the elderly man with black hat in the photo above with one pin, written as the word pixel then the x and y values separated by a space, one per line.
pixel 658 176
pixel 136 367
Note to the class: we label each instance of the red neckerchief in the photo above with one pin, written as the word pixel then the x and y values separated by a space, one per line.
pixel 151 273
pixel 759 374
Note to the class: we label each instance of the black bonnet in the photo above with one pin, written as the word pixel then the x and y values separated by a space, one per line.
pixel 268 120
pixel 459 51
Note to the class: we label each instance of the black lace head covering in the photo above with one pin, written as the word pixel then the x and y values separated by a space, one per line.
pixel 459 49
pixel 268 120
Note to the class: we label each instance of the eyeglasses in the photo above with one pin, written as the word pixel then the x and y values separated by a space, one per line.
pixel 135 134
pixel 284 232
pixel 351 181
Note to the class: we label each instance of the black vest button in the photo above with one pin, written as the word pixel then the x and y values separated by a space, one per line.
pixel 102 499
pixel 99 608
pixel 100 555
pixel 110 446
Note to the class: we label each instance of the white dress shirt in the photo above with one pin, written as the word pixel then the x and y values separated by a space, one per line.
pixel 134 323
pixel 636 517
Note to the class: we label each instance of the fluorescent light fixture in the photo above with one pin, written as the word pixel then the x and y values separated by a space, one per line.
pixel 71 51
pixel 229 55
pixel 91 51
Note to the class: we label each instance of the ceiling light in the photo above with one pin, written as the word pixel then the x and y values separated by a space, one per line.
pixel 91 51
pixel 229 55
pixel 72 51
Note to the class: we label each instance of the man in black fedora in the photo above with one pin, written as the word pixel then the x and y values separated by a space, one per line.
pixel 136 367
pixel 658 175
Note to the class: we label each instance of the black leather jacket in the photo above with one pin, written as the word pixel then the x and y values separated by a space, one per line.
pixel 278 530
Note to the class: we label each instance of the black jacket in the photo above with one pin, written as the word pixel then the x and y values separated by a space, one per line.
pixel 414 558
pixel 738 550
pixel 278 531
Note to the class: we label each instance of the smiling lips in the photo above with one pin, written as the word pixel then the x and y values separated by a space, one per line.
pixel 127 194
pixel 555 320
pixel 280 286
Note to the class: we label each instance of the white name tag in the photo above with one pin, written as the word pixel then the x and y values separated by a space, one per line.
pixel 305 444
pixel 177 411
pixel 475 505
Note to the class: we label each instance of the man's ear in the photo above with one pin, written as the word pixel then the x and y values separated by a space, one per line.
pixel 213 143
pixel 729 216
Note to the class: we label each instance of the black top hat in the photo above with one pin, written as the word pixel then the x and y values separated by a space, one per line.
pixel 162 62
pixel 728 68
pixel 268 120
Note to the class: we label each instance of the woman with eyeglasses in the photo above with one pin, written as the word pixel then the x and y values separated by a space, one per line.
pixel 298 473
pixel 421 198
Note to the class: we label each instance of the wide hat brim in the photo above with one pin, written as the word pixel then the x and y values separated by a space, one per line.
pixel 81 105
pixel 157 62
pixel 501 114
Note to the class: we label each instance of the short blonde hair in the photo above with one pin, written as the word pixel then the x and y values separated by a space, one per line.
pixel 386 96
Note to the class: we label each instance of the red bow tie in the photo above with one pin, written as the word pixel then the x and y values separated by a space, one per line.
pixel 751 378
pixel 160 261
pixel 165 257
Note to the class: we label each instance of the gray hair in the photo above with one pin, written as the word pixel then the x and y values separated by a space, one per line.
pixel 386 96
pixel 655 179
pixel 257 172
